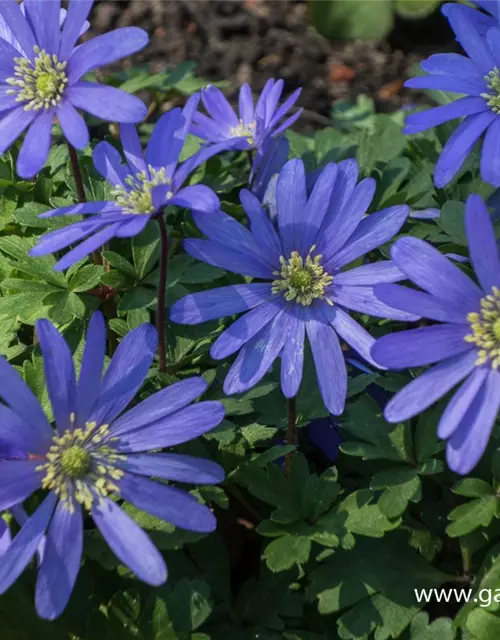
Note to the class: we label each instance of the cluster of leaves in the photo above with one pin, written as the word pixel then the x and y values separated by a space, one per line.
pixel 320 552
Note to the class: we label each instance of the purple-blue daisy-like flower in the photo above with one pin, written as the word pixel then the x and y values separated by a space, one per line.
pixel 302 288
pixel 253 125
pixel 464 346
pixel 41 77
pixel 141 187
pixel 98 453
pixel 477 76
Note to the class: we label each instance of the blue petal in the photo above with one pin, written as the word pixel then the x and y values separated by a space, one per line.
pixel 261 227
pixel 19 481
pixel 129 543
pixel 459 405
pixel 329 362
pixel 246 108
pixel 59 374
pixel 104 49
pixel 109 163
pixel 18 24
pixel 471 40
pixel 468 85
pixel 424 120
pixel 73 125
pixel 105 102
pixel 469 441
pixel 86 247
pixel 73 25
pixel 22 401
pixel 317 207
pixel 292 358
pixel 183 425
pixel 89 381
pixel 218 107
pixel 167 503
pixel 243 329
pixel 483 247
pixel 230 258
pixel 371 274
pixel 166 141
pixel 61 562
pixel 132 148
pixel 13 123
pixel 422 392
pixel 174 466
pixel 44 19
pixel 218 303
pixel 419 303
pixel 354 334
pixel 372 232
pixel 258 355
pixel 429 269
pixel 365 300
pixel 422 346
pixel 126 373
pixel 490 154
pixel 25 544
pixel 459 146
pixel 291 199
pixel 161 404
pixel 197 197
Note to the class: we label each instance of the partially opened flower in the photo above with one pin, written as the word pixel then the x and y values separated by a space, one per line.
pixel 465 343
pixel 41 77
pixel 302 288
pixel 253 125
pixel 476 75
pixel 97 454
pixel 142 185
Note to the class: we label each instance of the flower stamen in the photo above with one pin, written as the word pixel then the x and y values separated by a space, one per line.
pixel 485 327
pixel 39 82
pixel 493 84
pixel 302 280
pixel 245 131
pixel 80 468
pixel 136 197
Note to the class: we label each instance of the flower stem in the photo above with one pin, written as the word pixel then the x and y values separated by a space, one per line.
pixel 466 557
pixel 80 190
pixel 291 435
pixel 162 290
pixel 77 174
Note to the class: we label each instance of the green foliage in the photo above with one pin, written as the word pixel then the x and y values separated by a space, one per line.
pixel 346 19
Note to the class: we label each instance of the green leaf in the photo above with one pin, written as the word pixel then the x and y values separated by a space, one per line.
pixel 484 625
pixel 354 19
pixel 86 278
pixel 138 298
pixel 451 221
pixel 440 629
pixel 472 515
pixel 284 552
pixel 473 488
pixel 146 250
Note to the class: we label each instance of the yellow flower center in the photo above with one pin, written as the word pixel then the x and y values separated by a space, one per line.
pixel 80 468
pixel 302 280
pixel 485 329
pixel 493 84
pixel 245 131
pixel 137 199
pixel 39 82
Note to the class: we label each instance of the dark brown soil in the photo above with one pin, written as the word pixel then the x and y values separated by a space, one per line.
pixel 252 40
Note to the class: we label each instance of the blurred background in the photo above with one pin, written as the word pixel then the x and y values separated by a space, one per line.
pixel 336 50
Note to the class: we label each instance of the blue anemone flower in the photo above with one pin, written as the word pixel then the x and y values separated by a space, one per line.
pixel 477 76
pixel 41 77
pixel 146 182
pixel 302 287
pixel 98 453
pixel 254 124
pixel 464 347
